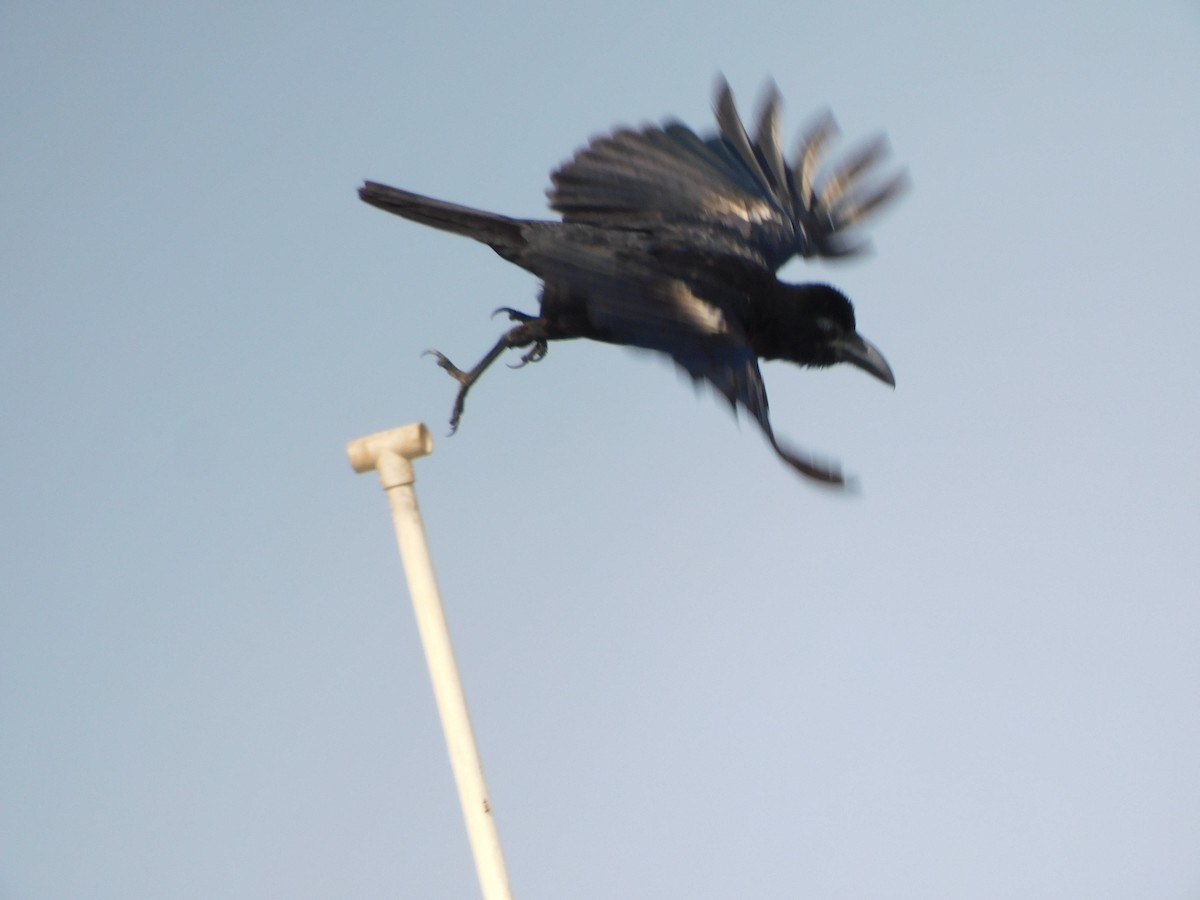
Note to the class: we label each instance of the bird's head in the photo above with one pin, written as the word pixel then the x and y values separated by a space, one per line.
pixel 816 328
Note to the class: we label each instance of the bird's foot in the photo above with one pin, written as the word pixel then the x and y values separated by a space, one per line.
pixel 536 354
pixel 530 331
pixel 514 315
pixel 466 379
pixel 456 373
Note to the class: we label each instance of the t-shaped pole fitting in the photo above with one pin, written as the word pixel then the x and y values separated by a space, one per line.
pixel 390 454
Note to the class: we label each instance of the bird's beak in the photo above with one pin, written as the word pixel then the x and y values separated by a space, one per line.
pixel 862 353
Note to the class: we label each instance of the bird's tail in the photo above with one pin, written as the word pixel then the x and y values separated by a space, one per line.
pixel 502 234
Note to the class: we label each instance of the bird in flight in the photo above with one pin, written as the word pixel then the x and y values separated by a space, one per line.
pixel 670 242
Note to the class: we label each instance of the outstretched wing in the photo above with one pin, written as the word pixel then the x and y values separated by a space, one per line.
pixel 728 195
pixel 635 302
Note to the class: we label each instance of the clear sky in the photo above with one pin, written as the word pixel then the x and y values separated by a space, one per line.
pixel 691 673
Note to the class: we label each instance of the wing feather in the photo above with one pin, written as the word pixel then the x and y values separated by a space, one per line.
pixel 770 151
pixel 728 195
pixel 733 133
pixel 812 146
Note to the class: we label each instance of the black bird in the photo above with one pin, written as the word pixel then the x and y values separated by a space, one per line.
pixel 671 242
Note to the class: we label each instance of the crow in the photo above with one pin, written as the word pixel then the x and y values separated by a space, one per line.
pixel 670 242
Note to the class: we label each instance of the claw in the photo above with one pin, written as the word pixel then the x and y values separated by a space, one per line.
pixel 514 315
pixel 455 372
pixel 537 354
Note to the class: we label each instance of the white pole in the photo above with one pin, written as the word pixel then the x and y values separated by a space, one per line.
pixel 389 453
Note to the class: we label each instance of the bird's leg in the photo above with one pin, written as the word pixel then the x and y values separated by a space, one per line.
pixel 531 331
pixel 539 346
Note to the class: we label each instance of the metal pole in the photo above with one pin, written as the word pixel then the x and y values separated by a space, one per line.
pixel 390 454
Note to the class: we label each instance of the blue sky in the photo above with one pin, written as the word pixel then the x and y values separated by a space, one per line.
pixel 691 673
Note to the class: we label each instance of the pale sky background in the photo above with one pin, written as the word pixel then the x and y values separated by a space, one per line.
pixel 692 674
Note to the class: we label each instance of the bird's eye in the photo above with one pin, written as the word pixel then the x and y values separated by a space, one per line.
pixel 826 326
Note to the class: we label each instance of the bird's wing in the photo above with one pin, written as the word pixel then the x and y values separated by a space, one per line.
pixel 730 194
pixel 633 301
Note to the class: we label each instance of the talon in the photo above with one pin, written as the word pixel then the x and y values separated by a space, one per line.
pixel 514 315
pixel 455 372
pixel 537 354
